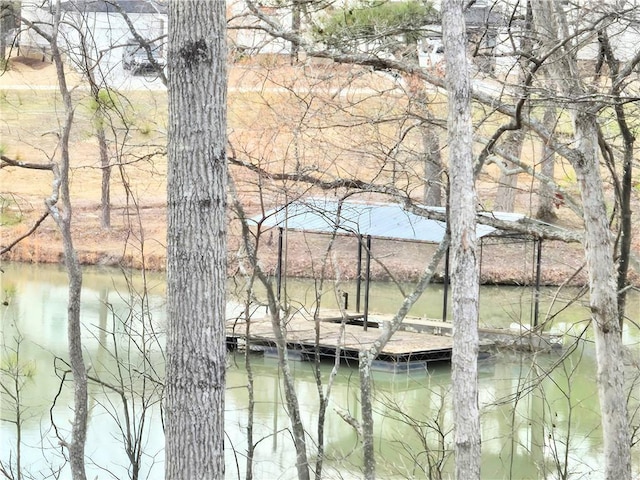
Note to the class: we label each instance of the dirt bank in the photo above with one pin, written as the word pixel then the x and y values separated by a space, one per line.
pixel 141 244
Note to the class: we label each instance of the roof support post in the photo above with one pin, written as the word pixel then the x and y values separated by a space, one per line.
pixel 279 267
pixel 359 273
pixel 480 262
pixel 536 307
pixel 445 293
pixel 367 283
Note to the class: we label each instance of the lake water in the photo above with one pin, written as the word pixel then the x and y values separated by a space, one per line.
pixel 539 411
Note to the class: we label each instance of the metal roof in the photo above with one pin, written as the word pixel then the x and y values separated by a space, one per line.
pixel 382 220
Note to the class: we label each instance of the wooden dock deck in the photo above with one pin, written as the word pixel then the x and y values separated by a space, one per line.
pixel 417 342
pixel 346 341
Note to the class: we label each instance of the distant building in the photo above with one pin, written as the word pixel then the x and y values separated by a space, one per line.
pixel 245 36
pixel 96 34
pixel 97 30
pixel 36 13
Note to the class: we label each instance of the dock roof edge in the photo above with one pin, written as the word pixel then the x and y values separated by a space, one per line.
pixel 379 220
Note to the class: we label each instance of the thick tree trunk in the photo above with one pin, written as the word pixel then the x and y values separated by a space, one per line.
pixel 603 302
pixel 462 221
pixel 196 241
pixel 551 22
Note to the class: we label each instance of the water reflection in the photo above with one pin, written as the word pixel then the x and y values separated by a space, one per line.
pixel 539 414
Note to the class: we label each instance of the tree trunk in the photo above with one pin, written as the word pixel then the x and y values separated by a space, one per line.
pixel 291 397
pixel 432 167
pixel 508 182
pixel 546 195
pixel 551 22
pixel 4 13
pixel 462 221
pixel 433 171
pixel 76 360
pixel 624 190
pixel 603 303
pixel 296 17
pixel 99 125
pixel 7 23
pixel 514 140
pixel 63 218
pixel 626 213
pixel 366 393
pixel 105 190
pixel 196 241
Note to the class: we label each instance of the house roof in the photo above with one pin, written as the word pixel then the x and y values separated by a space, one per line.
pixel 110 6
pixel 382 220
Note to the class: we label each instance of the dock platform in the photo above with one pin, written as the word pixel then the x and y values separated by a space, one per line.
pixel 417 342
pixel 344 340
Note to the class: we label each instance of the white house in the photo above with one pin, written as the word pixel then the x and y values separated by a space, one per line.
pixel 97 34
pixel 35 15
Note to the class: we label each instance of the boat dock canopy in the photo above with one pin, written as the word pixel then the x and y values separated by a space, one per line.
pixel 388 221
pixel 379 220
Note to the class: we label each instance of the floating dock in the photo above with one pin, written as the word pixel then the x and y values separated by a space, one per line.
pixel 417 343
pixel 344 340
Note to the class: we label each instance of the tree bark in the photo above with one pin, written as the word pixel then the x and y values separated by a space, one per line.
pixel 462 221
pixel 626 213
pixel 551 23
pixel 296 23
pixel 6 14
pixel 603 302
pixel 105 189
pixel 546 195
pixel 624 185
pixel 368 448
pixel 432 167
pixel 196 241
pixel 508 182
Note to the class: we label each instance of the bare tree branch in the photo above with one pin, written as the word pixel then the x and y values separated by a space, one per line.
pixel 9 162
pixel 25 235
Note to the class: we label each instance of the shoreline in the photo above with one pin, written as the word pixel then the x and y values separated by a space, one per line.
pixel 502 263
